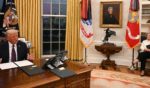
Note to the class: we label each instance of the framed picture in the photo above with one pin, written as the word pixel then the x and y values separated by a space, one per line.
pixel 111 14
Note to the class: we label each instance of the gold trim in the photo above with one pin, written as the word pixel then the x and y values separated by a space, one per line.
pixel 120 15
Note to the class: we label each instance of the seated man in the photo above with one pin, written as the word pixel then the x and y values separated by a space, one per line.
pixel 12 49
pixel 144 53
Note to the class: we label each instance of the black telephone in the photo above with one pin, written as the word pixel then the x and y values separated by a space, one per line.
pixel 57 61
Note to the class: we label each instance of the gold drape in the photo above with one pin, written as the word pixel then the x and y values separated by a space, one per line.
pixel 73 43
pixel 29 23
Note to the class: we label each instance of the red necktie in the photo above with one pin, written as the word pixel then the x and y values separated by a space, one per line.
pixel 13 54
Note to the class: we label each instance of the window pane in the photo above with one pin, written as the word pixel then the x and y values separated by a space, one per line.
pixel 63 9
pixel 63 23
pixel 1 4
pixel 55 1
pixel 62 35
pixel 46 35
pixel 46 8
pixel 55 22
pixel 62 46
pixel 55 48
pixel 46 1
pixel 55 35
pixel 46 48
pixel 46 22
pixel 55 9
pixel 63 1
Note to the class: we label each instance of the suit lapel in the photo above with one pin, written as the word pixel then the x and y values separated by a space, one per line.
pixel 18 50
pixel 7 51
pixel 7 48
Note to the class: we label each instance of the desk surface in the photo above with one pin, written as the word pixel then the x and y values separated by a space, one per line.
pixel 17 78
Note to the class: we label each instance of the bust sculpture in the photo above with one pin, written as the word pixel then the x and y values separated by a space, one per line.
pixel 108 34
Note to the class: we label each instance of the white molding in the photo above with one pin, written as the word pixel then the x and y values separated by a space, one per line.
pixel 110 0
pixel 125 62
pixel 119 43
pixel 54 15
pixel 145 2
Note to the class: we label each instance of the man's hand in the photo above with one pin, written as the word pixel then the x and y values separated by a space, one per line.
pixel 30 57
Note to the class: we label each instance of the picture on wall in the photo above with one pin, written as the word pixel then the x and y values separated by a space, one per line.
pixel 111 14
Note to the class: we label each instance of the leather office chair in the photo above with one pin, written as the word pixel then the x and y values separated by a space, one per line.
pixel 28 43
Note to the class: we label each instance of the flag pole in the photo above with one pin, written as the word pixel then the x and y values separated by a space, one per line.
pixel 132 67
pixel 133 57
pixel 85 56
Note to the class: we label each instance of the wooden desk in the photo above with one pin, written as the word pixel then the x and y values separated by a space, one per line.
pixel 16 78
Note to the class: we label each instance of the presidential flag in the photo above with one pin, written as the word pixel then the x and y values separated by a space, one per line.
pixel 86 30
pixel 133 27
pixel 10 16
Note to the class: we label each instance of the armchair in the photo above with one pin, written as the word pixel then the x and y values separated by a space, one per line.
pixel 139 51
pixel 148 60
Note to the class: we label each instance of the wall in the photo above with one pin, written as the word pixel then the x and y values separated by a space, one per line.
pixel 122 58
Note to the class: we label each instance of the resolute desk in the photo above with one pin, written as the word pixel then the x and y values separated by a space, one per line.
pixel 16 78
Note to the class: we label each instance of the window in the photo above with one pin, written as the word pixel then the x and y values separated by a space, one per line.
pixel 53 26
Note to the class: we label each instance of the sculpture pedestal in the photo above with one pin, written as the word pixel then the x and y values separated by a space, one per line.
pixel 108 63
pixel 108 49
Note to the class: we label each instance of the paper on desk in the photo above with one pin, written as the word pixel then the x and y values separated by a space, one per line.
pixel 23 63
pixel 7 65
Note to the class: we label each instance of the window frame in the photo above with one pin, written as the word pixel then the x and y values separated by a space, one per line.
pixel 42 29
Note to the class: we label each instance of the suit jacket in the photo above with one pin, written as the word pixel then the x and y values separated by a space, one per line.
pixel 110 19
pixel 21 51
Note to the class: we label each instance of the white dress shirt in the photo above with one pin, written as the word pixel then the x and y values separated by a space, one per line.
pixel 10 50
pixel 144 44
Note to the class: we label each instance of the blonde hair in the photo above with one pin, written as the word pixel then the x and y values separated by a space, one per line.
pixel 12 31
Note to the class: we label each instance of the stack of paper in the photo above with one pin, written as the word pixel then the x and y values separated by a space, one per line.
pixel 7 65
pixel 23 63
pixel 10 65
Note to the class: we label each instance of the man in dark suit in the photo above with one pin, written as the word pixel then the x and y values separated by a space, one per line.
pixel 109 18
pixel 12 49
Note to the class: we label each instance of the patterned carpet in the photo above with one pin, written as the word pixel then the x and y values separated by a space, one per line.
pixel 112 79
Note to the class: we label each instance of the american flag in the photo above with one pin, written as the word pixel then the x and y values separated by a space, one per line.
pixel 86 30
